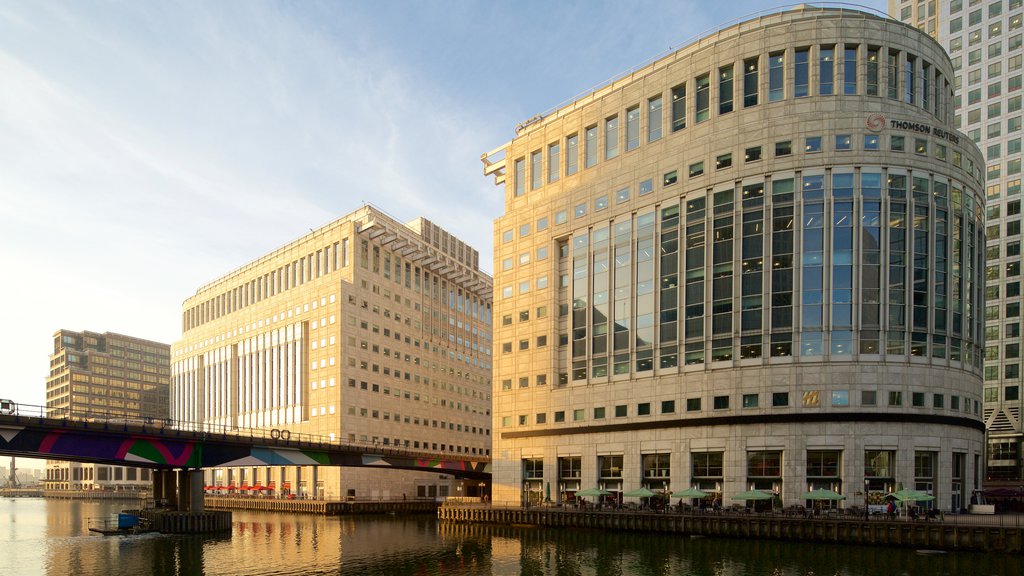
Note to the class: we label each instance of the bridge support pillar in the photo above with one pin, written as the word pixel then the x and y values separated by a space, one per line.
pixel 164 488
pixel 190 490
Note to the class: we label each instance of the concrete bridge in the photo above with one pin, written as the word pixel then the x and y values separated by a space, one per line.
pixel 177 452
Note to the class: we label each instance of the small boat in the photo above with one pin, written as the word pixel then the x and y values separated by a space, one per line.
pixel 120 524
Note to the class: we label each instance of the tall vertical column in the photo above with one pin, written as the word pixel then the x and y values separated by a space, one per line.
pixel 190 490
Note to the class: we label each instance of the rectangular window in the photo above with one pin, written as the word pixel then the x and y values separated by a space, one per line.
pixel 611 137
pixel 801 73
pixel 850 71
pixel 872 69
pixel 703 102
pixel 776 76
pixel 679 107
pixel 780 399
pixel 725 90
pixel 826 70
pixel 590 147
pixel 554 171
pixel 572 151
pixel 654 119
pixel 536 180
pixel 520 176
pixel 632 128
pixel 750 82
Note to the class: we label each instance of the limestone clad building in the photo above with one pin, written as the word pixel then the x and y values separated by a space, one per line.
pixel 366 331
pixel 105 376
pixel 985 41
pixel 755 262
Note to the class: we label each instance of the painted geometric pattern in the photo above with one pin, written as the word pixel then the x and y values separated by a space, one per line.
pixel 106 446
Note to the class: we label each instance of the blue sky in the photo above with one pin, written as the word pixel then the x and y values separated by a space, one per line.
pixel 147 148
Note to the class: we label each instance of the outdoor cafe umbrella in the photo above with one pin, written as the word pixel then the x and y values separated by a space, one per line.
pixel 908 495
pixel 592 493
pixel 822 494
pixel 753 495
pixel 642 492
pixel 690 493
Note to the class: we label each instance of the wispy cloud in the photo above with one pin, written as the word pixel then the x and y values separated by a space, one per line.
pixel 148 148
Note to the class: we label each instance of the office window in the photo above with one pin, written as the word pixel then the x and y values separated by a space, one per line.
pixel 536 179
pixel 679 107
pixel 750 86
pixel 801 73
pixel 703 103
pixel 554 153
pixel 654 119
pixel 725 89
pixel 776 76
pixel 572 151
pixel 632 128
pixel 611 137
pixel 590 147
pixel 826 70
pixel 850 70
pixel 519 168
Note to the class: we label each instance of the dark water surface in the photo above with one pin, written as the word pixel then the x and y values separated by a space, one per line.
pixel 50 537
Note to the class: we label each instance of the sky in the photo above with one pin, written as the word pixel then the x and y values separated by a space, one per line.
pixel 147 148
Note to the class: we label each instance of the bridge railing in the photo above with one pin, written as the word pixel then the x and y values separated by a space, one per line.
pixel 207 430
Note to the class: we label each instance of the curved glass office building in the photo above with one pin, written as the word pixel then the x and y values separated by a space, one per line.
pixel 755 262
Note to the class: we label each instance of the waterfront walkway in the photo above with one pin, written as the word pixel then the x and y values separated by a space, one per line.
pixel 997 533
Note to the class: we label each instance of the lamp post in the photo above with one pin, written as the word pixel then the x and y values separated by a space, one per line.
pixel 867 483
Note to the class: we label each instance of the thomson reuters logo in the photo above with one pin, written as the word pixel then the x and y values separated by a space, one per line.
pixel 875 122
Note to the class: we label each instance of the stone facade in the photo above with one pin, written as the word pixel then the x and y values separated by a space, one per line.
pixel 366 331
pixel 755 262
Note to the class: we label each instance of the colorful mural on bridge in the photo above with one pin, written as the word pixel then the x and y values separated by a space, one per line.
pixel 87 442
pixel 126 448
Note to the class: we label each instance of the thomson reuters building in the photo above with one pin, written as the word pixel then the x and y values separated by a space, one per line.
pixel 756 262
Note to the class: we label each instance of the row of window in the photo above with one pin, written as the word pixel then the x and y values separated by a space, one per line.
pixel 782 148
pixel 909 78
pixel 314 265
pixel 821 468
pixel 807 399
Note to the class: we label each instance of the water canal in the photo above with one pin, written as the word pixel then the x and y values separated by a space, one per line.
pixel 50 537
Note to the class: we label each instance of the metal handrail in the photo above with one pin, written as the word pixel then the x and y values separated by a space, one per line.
pixel 203 431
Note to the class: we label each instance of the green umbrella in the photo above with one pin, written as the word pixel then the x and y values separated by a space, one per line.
pixel 908 495
pixel 690 493
pixel 753 495
pixel 592 493
pixel 642 492
pixel 822 494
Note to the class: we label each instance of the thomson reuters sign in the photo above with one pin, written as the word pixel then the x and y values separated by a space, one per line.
pixel 877 122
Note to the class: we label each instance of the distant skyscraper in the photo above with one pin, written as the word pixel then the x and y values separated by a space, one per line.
pixel 105 376
pixel 366 331
pixel 984 40
pixel 756 262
